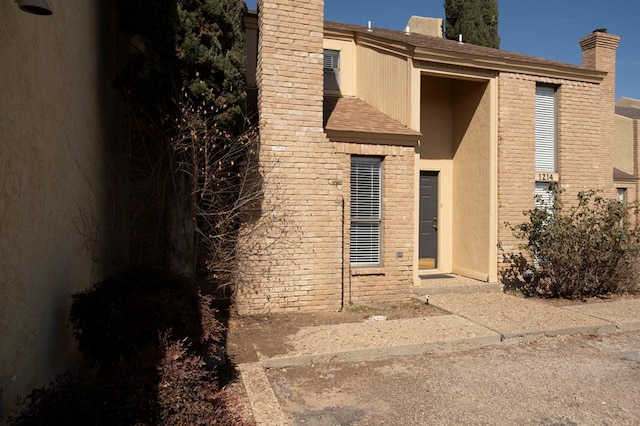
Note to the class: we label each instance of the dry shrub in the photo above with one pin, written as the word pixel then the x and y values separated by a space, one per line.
pixel 587 250
pixel 148 338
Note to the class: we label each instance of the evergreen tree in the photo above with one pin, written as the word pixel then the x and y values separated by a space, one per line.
pixel 476 20
pixel 184 82
pixel 195 45
pixel 210 53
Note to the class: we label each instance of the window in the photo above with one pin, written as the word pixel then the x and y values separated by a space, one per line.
pixel 544 197
pixel 545 129
pixel 622 195
pixel 331 69
pixel 366 210
pixel 545 134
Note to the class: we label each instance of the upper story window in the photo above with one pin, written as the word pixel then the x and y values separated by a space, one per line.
pixel 546 129
pixel 331 69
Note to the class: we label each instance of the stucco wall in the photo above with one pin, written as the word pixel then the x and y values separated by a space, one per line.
pixel 457 123
pixel 623 152
pixel 347 76
pixel 380 78
pixel 57 127
pixel 472 188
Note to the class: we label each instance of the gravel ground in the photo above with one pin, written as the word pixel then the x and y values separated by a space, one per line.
pixel 583 380
pixel 268 334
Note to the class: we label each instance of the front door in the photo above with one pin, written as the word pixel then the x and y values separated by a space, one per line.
pixel 428 245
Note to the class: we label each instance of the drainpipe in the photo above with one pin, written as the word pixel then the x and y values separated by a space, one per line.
pixel 343 253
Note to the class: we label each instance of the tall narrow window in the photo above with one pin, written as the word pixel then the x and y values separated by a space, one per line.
pixel 366 211
pixel 545 134
pixel 545 129
pixel 331 69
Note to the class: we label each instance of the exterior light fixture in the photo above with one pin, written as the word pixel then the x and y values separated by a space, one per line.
pixel 36 7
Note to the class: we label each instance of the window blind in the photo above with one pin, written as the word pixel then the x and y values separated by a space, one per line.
pixel 331 69
pixel 366 209
pixel 545 128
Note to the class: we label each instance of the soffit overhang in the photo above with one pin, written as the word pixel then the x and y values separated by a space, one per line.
pixel 448 52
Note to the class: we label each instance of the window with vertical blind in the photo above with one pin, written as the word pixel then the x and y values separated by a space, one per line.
pixel 331 69
pixel 545 129
pixel 545 134
pixel 366 211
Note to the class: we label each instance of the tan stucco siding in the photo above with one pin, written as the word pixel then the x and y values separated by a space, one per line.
pixel 436 106
pixel 392 280
pixel 458 123
pixel 623 149
pixel 58 125
pixel 472 188
pixel 347 72
pixel 382 81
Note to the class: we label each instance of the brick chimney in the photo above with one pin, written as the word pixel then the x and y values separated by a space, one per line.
pixel 599 53
pixel 297 265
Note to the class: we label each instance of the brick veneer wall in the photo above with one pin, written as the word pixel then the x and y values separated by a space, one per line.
pixel 393 279
pixel 294 260
pixel 516 153
pixel 585 135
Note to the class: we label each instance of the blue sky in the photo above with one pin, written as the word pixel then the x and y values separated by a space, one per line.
pixel 545 28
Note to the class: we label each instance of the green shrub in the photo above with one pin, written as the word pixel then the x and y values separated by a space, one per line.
pixel 586 250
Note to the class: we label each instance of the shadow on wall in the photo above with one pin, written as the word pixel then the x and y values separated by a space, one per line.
pixel 151 345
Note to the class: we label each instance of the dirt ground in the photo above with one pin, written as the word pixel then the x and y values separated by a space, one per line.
pixel 265 333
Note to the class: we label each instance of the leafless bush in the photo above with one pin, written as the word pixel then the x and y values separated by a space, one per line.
pixel 224 182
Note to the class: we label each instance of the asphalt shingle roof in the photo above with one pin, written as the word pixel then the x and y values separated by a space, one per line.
pixel 629 112
pixel 415 40
pixel 350 114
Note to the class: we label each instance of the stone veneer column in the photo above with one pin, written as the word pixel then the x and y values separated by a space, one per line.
pixel 298 264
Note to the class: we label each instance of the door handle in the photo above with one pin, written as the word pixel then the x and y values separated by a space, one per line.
pixel 435 223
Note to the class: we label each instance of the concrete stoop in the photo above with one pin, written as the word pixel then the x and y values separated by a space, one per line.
pixel 447 284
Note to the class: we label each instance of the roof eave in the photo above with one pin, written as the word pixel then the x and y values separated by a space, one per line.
pixel 464 59
pixel 552 70
pixel 337 135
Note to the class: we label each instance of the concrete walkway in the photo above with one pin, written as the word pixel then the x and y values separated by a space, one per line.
pixel 479 315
